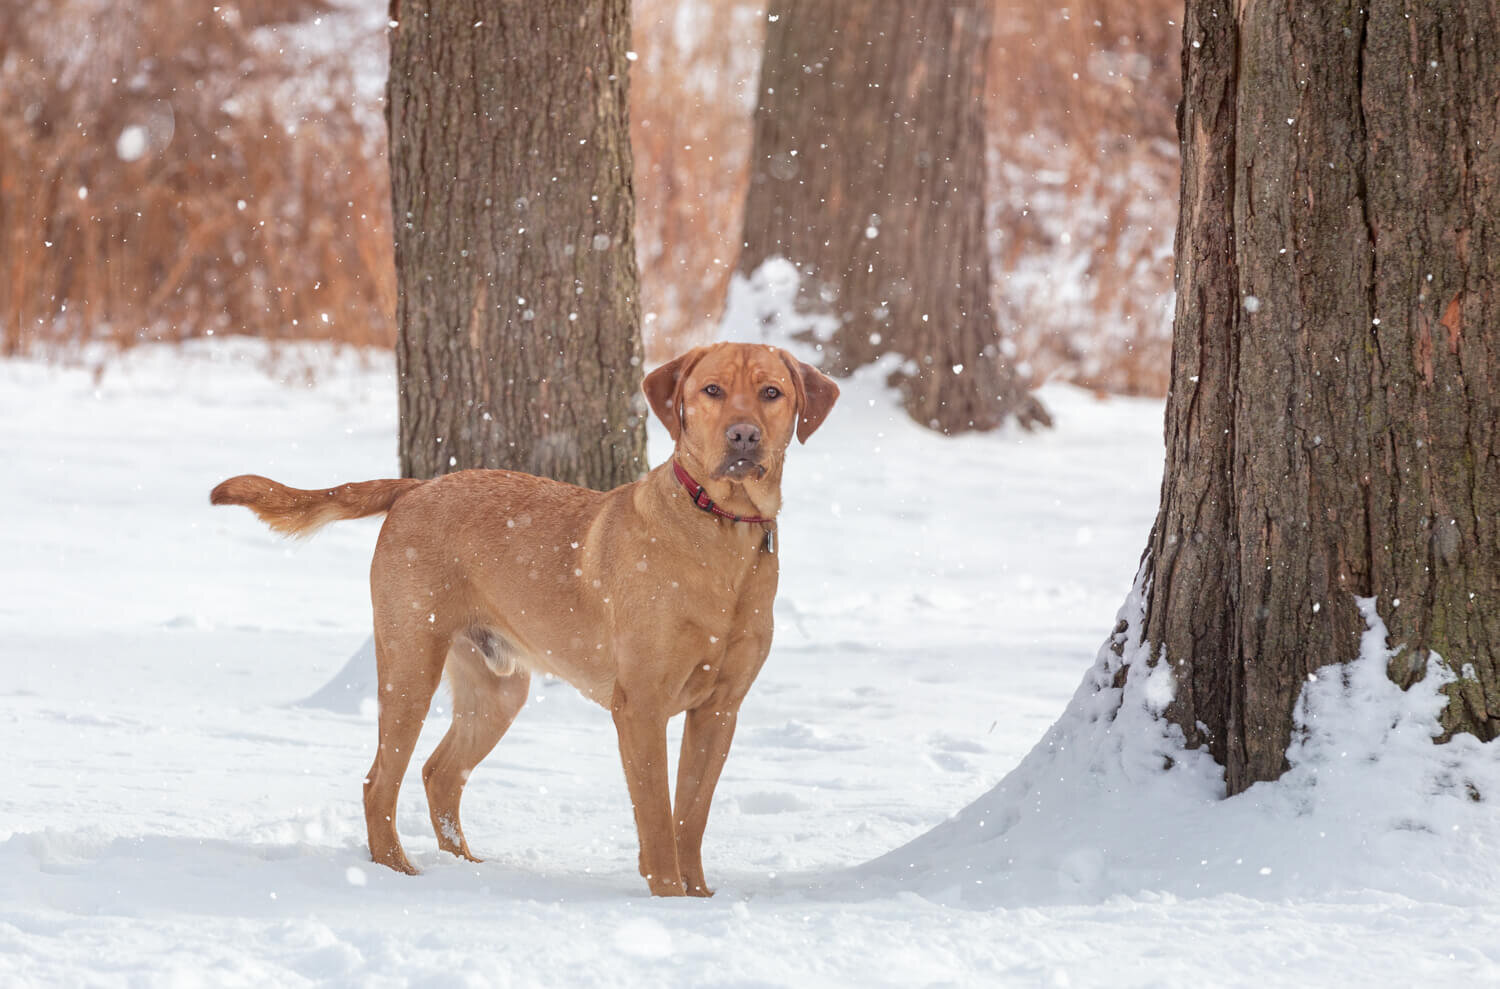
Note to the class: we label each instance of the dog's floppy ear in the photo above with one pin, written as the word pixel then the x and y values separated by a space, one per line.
pixel 663 388
pixel 816 394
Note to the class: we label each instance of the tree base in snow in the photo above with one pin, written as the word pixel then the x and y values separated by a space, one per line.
pixel 970 399
pixel 353 689
pixel 1113 803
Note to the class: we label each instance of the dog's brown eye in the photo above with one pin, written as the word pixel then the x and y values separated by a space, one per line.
pixel 770 392
pixel 713 391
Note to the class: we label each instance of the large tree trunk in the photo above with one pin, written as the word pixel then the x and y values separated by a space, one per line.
pixel 1332 424
pixel 515 252
pixel 867 173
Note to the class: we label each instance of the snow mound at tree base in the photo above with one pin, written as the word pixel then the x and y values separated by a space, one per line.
pixel 353 689
pixel 1111 803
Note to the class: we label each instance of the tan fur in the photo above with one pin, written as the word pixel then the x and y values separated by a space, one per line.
pixel 648 605
pixel 300 513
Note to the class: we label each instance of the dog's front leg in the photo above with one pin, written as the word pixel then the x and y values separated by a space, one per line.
pixel 643 750
pixel 705 743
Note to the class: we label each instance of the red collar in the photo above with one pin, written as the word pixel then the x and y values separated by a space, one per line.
pixel 703 501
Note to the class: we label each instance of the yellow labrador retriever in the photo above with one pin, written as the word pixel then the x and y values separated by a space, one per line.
pixel 652 599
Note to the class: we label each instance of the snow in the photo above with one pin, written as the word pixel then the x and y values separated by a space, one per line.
pixel 1370 808
pixel 131 143
pixel 180 806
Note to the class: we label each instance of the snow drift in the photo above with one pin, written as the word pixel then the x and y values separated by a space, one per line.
pixel 1111 803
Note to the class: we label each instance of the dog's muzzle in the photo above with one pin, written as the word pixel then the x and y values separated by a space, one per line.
pixel 738 467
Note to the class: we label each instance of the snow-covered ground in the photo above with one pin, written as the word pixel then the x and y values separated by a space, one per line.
pixel 170 814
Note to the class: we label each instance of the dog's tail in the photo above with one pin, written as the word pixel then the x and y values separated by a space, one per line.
pixel 295 512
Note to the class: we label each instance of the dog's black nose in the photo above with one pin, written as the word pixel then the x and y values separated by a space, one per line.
pixel 743 437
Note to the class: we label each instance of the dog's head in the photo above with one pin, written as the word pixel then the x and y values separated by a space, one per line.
pixel 734 407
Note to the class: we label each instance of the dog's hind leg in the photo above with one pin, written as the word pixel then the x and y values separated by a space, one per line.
pixel 486 699
pixel 409 668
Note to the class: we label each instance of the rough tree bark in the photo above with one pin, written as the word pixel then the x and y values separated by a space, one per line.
pixel 1332 423
pixel 514 213
pixel 867 173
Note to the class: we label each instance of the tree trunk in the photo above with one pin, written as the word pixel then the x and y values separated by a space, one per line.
pixel 867 173
pixel 1331 429
pixel 514 218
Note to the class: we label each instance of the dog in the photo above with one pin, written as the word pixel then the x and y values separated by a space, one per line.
pixel 653 599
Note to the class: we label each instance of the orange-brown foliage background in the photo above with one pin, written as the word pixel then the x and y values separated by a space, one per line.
pixel 259 201
pixel 258 205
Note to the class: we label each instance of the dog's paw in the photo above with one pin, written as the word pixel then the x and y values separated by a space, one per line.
pixel 693 883
pixel 397 861
pixel 665 887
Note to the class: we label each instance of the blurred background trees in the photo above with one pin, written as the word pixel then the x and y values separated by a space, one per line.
pixel 871 118
pixel 171 169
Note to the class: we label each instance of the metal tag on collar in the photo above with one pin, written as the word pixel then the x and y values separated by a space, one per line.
pixel 770 539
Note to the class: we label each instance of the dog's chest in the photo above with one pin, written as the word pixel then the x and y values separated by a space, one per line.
pixel 719 592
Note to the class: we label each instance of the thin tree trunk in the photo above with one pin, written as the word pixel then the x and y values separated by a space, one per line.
pixel 518 298
pixel 867 173
pixel 1332 423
